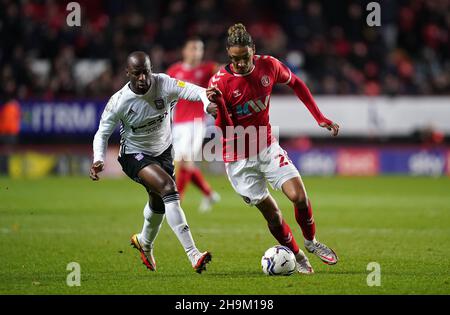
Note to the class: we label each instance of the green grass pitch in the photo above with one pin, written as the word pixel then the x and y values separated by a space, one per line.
pixel 399 222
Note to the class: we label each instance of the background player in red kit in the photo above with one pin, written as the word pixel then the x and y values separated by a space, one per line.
pixel 243 93
pixel 189 121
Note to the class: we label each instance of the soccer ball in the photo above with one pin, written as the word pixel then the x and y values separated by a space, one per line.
pixel 278 261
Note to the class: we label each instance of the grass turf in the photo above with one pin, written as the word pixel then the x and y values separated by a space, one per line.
pixel 400 222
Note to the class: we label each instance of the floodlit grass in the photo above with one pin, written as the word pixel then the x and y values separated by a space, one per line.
pixel 402 223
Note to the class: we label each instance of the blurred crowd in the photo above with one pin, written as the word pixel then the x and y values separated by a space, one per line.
pixel 327 43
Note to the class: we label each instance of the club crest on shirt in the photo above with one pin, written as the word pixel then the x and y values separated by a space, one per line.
pixel 159 103
pixel 265 81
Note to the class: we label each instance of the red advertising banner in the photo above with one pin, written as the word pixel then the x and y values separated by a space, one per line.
pixel 358 162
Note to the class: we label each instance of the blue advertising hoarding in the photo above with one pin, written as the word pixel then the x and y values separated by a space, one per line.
pixel 352 161
pixel 45 119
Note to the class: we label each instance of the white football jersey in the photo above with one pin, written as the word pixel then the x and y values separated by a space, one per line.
pixel 145 119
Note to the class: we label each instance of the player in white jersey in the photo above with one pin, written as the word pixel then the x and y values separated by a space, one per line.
pixel 143 107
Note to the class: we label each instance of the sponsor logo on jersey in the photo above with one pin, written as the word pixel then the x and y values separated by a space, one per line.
pixel 265 81
pixel 257 105
pixel 151 123
pixel 237 93
pixel 159 103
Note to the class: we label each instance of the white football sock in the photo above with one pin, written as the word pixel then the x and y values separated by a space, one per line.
pixel 177 221
pixel 150 229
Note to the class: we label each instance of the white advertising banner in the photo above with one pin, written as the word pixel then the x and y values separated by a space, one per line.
pixel 362 116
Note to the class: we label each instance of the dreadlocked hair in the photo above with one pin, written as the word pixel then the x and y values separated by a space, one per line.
pixel 238 36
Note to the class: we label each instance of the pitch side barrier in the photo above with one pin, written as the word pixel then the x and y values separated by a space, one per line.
pixel 59 159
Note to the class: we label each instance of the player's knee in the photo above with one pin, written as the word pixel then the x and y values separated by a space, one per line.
pixel 298 198
pixel 168 187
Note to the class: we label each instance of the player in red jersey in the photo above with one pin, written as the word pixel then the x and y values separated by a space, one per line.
pixel 188 120
pixel 243 90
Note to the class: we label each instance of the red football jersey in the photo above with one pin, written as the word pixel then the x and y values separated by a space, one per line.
pixel 187 110
pixel 247 99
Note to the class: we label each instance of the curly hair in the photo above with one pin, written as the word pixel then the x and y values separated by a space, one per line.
pixel 238 36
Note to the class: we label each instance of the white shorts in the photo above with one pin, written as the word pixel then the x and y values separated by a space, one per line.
pixel 188 140
pixel 248 177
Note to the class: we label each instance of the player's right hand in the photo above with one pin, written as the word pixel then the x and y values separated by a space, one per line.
pixel 212 92
pixel 331 126
pixel 96 168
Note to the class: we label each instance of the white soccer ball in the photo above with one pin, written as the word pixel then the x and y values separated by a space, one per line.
pixel 278 261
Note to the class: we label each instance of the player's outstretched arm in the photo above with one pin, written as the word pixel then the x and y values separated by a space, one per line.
pixel 187 91
pixel 96 168
pixel 108 122
pixel 303 93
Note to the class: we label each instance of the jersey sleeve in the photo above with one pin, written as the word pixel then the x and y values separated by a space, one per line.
pixel 215 80
pixel 303 93
pixel 108 122
pixel 185 90
pixel 211 83
pixel 282 73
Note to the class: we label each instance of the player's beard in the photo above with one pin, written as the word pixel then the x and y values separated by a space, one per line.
pixel 244 70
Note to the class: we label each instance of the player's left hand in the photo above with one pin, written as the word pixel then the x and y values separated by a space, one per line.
pixel 333 127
